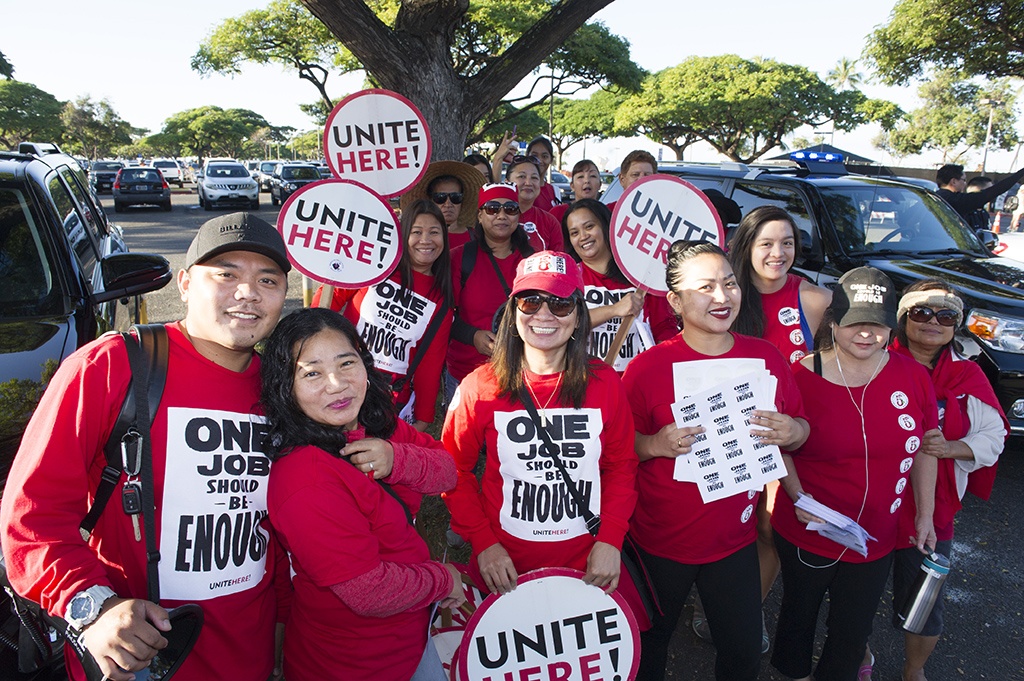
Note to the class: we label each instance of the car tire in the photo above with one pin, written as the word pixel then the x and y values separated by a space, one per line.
pixel 273 199
pixel 207 205
pixel 166 206
pixel 255 204
pixel 181 184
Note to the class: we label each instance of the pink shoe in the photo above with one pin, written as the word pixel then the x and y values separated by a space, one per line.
pixel 864 673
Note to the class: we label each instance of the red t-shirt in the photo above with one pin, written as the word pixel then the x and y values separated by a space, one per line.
pixel 391 320
pixel 671 519
pixel 521 500
pixel 207 446
pixel 456 239
pixel 898 408
pixel 558 213
pixel 476 305
pixel 546 198
pixel 544 230
pixel 337 525
pixel 784 325
pixel 654 324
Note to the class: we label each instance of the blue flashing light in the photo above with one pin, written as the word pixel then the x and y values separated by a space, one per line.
pixel 819 156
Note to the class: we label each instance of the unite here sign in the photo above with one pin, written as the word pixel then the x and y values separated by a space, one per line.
pixel 653 213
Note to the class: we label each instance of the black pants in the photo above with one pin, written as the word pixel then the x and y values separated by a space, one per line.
pixel 854 590
pixel 730 589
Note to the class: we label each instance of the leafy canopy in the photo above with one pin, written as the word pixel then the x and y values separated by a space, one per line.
pixel 27 113
pixel 210 130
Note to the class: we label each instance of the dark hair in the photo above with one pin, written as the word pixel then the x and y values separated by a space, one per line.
pixel 444 178
pixel 544 142
pixel 947 173
pixel 480 159
pixel 288 426
pixel 441 269
pixel 750 320
pixel 522 160
pixel 823 338
pixel 508 359
pixel 682 251
pixel 583 165
pixel 980 181
pixel 604 218
pixel 929 284
pixel 520 240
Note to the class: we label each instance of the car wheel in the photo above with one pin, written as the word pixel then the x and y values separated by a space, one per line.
pixel 118 207
pixel 273 199
pixel 207 205
pixel 167 206
pixel 181 184
pixel 255 203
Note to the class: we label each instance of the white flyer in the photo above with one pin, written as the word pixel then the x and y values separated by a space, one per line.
pixel 726 459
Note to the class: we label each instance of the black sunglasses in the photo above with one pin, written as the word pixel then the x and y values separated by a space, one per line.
pixel 525 159
pixel 560 307
pixel 923 315
pixel 440 197
pixel 493 207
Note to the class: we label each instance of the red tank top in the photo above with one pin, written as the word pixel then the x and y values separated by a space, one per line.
pixel 784 323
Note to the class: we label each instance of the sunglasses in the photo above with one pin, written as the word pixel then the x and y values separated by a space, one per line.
pixel 560 307
pixel 440 197
pixel 525 159
pixel 923 315
pixel 493 208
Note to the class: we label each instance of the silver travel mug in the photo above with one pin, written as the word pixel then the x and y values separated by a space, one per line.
pixel 917 609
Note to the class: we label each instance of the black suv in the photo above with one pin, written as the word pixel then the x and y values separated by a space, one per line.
pixel 904 230
pixel 288 178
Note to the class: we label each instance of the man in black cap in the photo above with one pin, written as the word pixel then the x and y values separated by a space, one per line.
pixel 209 478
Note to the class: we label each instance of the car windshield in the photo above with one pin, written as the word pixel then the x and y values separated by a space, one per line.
pixel 559 178
pixel 140 175
pixel 99 165
pixel 300 174
pixel 227 171
pixel 28 288
pixel 885 219
pixel 267 167
pixel 164 164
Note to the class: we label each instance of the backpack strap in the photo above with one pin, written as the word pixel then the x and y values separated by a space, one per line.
pixel 467 262
pixel 421 347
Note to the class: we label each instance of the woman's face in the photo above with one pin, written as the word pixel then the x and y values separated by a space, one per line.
pixel 484 169
pixel 498 227
pixel 330 379
pixel 635 171
pixel 585 234
pixel 526 178
pixel 541 153
pixel 706 296
pixel 774 251
pixel 449 209
pixel 929 336
pixel 426 242
pixel 861 341
pixel 586 183
pixel 543 330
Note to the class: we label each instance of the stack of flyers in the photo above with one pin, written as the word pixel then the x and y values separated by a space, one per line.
pixel 835 526
pixel 725 459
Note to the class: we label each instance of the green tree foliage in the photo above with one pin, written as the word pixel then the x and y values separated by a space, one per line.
pixel 978 37
pixel 6 68
pixel 27 113
pixel 528 123
pixel 578 119
pixel 741 107
pixel 212 131
pixel 952 119
pixel 94 129
pixel 844 75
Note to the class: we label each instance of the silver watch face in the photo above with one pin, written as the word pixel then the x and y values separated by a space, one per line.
pixel 82 607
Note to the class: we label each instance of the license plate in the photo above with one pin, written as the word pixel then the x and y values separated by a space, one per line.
pixel 142 187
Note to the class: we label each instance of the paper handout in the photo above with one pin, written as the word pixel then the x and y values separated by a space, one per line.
pixel 835 526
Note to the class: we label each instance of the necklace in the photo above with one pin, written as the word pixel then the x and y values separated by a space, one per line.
pixel 540 408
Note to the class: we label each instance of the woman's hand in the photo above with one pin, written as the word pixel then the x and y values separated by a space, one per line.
pixel 630 304
pixel 483 341
pixel 458 595
pixel 497 570
pixel 669 442
pixel 371 454
pixel 603 566
pixel 778 429
pixel 504 151
pixel 924 534
pixel 802 515
pixel 933 443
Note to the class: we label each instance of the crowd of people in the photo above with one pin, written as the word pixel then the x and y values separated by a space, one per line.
pixel 287 483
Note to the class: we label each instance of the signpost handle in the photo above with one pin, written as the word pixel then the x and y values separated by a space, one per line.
pixel 326 296
pixel 620 338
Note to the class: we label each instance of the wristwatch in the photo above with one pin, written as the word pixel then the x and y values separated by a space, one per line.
pixel 85 606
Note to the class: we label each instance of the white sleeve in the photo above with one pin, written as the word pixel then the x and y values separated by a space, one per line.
pixel 986 439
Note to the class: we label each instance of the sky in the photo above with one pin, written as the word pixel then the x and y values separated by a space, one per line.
pixel 73 49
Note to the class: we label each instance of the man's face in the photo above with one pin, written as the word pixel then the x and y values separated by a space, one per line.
pixel 234 300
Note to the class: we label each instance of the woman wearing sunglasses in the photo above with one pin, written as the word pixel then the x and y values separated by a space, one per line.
pixel 544 230
pixel 521 515
pixel 408 346
pixel 449 184
pixel 481 272
pixel 971 435
pixel 683 540
pixel 609 295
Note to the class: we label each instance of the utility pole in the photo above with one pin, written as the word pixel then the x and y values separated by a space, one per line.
pixel 991 104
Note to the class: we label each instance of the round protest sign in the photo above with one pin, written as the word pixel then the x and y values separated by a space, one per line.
pixel 378 138
pixel 653 213
pixel 554 626
pixel 341 233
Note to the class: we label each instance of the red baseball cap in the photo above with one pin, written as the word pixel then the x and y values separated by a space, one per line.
pixel 549 271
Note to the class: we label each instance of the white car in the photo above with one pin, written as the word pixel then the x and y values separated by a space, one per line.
pixel 224 183
pixel 1011 245
pixel 172 172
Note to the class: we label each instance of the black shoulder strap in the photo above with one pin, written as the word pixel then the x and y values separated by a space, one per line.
pixel 152 338
pixel 468 260
pixel 497 270
pixel 421 347
pixel 817 363
pixel 593 521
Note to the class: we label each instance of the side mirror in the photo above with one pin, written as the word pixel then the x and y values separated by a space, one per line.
pixel 988 239
pixel 132 274
pixel 1010 204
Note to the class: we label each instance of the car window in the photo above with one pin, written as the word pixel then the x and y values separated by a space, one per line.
pixel 141 175
pixel 227 171
pixel 165 164
pixel 300 174
pixel 99 165
pixel 76 184
pixel 25 267
pixel 750 195
pixel 74 224
pixel 267 167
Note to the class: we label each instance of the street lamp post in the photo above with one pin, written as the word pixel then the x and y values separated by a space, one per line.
pixel 991 104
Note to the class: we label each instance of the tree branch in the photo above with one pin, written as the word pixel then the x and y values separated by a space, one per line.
pixel 355 25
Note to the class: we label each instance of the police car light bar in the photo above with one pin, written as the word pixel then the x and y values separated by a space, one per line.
pixel 819 156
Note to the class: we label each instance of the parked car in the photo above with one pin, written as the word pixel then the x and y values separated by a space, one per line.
pixel 325 171
pixel 563 187
pixel 289 177
pixel 171 169
pixel 102 175
pixel 227 183
pixel 254 169
pixel 266 172
pixel 904 230
pixel 141 186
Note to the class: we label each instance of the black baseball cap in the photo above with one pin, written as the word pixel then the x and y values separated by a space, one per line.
pixel 865 295
pixel 237 232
